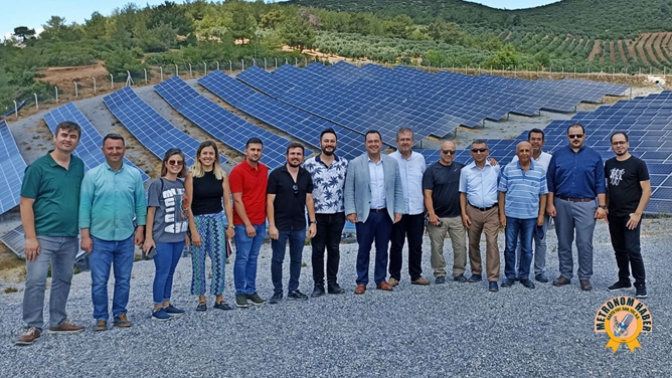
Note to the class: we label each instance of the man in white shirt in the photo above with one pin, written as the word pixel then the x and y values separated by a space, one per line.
pixel 411 166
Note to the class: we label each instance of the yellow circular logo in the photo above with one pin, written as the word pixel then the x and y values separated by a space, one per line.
pixel 623 319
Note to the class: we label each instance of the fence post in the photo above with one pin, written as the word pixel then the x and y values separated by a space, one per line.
pixel 242 63
pixel 56 89
pixel 37 106
pixel 205 68
pixel 76 89
pixel 191 74
pixel 111 81
pixel 265 65
pixel 145 76
pixel 296 62
pixel 95 88
pixel 230 66
pixel 177 71
pixel 16 110
pixel 254 62
pixel 305 61
pixel 161 68
pixel 218 65
pixel 276 62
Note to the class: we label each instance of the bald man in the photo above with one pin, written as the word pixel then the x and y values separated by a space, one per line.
pixel 522 202
pixel 440 184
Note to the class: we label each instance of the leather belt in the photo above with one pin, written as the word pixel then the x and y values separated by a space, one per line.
pixel 383 210
pixel 483 208
pixel 576 199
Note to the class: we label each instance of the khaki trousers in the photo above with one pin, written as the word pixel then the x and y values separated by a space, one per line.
pixel 437 235
pixel 488 222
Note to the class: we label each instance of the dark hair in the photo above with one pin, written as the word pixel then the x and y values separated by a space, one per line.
pixel 373 132
pixel 172 152
pixel 479 141
pixel 114 136
pixel 68 126
pixel 328 130
pixel 583 129
pixel 296 145
pixel 405 130
pixel 253 140
pixel 611 139
pixel 536 131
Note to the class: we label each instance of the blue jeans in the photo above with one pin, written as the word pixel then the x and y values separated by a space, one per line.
pixel 105 253
pixel 297 239
pixel 165 261
pixel 378 227
pixel 518 228
pixel 247 252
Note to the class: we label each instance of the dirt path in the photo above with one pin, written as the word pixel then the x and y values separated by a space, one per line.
pixel 597 49
pixel 631 49
pixel 640 50
pixel 657 41
pixel 508 36
pixel 612 51
pixel 621 50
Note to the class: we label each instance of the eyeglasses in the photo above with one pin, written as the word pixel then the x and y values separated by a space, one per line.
pixel 475 150
pixel 448 152
pixel 618 143
pixel 575 136
pixel 296 189
pixel 175 162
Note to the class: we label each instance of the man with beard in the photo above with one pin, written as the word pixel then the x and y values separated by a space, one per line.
pixel 374 201
pixel 575 178
pixel 289 193
pixel 328 173
pixel 628 193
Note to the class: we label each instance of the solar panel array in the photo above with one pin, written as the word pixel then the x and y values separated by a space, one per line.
pixel 151 130
pixel 374 97
pixel 90 141
pixel 12 168
pixel 298 123
pixel 222 124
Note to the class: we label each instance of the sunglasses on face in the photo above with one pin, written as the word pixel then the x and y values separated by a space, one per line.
pixel 618 143
pixel 575 136
pixel 448 152
pixel 476 150
pixel 175 162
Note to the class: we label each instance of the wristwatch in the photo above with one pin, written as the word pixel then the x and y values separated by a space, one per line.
pixel 603 207
pixel 314 221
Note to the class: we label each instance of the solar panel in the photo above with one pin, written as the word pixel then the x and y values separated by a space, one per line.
pixel 12 169
pixel 90 141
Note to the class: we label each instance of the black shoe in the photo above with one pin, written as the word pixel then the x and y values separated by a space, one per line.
pixel 297 295
pixel 493 287
pixel 276 298
pixel 461 278
pixel 541 277
pixel 440 280
pixel 222 306
pixel 475 278
pixel 527 283
pixel 318 291
pixel 508 282
pixel 201 307
pixel 640 292
pixel 334 288
pixel 620 285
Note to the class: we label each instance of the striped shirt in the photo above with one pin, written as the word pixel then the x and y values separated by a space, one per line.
pixel 523 189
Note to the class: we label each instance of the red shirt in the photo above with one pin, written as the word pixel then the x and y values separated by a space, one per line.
pixel 252 183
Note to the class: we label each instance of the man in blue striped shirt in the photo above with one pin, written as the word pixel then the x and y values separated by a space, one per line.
pixel 112 196
pixel 522 201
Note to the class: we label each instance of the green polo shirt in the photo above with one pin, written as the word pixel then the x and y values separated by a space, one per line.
pixel 56 194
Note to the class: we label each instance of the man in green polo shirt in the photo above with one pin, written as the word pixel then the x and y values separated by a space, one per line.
pixel 49 214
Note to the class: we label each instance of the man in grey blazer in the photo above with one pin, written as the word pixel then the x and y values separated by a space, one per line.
pixel 374 201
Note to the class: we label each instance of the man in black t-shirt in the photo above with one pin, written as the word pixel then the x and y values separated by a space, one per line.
pixel 440 184
pixel 628 192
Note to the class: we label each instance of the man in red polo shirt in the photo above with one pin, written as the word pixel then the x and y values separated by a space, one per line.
pixel 248 184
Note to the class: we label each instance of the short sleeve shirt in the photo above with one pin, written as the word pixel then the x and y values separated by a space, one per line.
pixel 444 182
pixel 290 198
pixel 252 184
pixel 328 184
pixel 623 184
pixel 56 192
pixel 171 219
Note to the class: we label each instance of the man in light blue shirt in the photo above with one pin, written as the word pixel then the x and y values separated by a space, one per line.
pixel 522 203
pixel 411 167
pixel 478 203
pixel 112 195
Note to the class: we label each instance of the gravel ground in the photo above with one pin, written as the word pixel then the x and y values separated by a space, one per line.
pixel 439 330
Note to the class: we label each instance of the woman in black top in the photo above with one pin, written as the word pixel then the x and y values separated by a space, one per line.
pixel 208 186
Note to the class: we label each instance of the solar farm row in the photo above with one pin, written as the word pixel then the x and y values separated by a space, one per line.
pixel 12 169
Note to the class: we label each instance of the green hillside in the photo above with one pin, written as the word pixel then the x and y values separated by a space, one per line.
pixel 598 18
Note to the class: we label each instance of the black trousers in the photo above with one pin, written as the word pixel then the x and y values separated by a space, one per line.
pixel 411 227
pixel 329 230
pixel 627 247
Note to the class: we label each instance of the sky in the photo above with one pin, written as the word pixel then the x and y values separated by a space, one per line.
pixel 34 13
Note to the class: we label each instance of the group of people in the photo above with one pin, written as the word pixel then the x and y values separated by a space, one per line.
pixel 391 199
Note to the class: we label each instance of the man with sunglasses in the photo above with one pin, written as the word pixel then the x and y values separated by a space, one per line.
pixel 575 178
pixel 440 184
pixel 478 205
pixel 112 203
pixel 628 193
pixel 288 195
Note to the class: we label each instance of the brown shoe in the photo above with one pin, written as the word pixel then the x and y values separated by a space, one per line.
pixel 101 325
pixel 384 286
pixel 585 285
pixel 360 289
pixel 393 282
pixel 420 281
pixel 66 328
pixel 29 336
pixel 561 281
pixel 121 321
